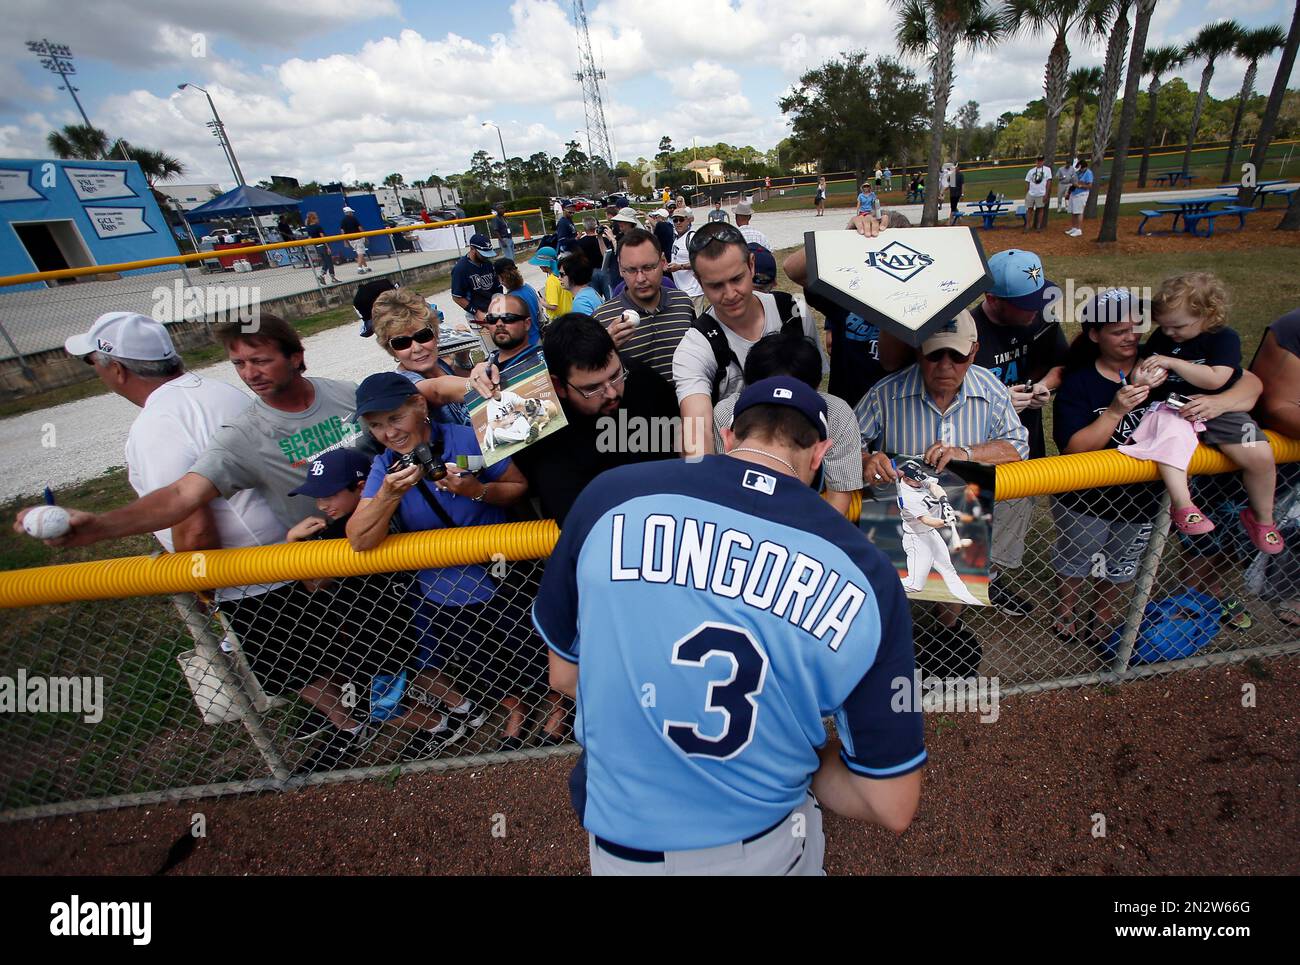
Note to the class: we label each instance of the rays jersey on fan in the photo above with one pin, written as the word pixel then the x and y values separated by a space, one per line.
pixel 717 612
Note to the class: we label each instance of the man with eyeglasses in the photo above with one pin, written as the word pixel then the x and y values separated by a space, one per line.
pixel 619 412
pixel 709 362
pixel 663 315
pixel 680 266
pixel 942 408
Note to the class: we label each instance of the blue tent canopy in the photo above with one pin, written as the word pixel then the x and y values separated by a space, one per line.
pixel 243 200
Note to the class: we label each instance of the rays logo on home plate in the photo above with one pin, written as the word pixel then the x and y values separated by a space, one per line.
pixel 909 282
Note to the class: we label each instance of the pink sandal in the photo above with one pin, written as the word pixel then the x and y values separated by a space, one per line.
pixel 1191 521
pixel 1267 539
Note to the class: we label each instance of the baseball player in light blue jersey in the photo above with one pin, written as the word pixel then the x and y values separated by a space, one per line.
pixel 706 617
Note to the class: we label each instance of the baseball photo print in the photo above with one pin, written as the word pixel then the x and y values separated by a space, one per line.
pixel 935 528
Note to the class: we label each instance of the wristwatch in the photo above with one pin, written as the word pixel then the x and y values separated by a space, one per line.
pixel 970 455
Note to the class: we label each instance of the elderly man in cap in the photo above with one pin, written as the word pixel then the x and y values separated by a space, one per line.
pixel 474 280
pixel 941 408
pixel 134 357
pixel 679 259
pixel 350 225
pixel 744 214
pixel 662 229
pixel 1022 343
pixel 744 793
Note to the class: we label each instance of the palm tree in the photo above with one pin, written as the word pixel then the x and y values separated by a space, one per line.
pixel 1253 47
pixel 935 29
pixel 1082 90
pixel 1157 62
pixel 1112 17
pixel 78 141
pixel 1210 44
pixel 1269 121
pixel 1110 216
pixel 1057 18
pixel 155 165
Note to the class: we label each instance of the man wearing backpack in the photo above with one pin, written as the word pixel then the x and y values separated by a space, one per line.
pixel 708 363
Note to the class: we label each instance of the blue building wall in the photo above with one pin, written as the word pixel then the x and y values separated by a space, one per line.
pixel 108 202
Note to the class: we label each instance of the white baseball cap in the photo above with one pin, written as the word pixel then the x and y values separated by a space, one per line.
pixel 124 335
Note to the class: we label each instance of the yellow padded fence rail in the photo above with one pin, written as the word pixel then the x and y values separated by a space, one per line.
pixel 182 572
pixel 189 572
pixel 32 276
pixel 1087 470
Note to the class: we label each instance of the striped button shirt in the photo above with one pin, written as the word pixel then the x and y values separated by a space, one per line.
pixel 897 415
pixel 656 337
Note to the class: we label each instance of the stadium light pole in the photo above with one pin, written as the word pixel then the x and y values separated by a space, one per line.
pixel 219 130
pixel 504 163
pixel 57 59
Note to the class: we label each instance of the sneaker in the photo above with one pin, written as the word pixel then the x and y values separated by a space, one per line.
pixel 1234 615
pixel 474 718
pixel 431 743
pixel 1009 603
pixel 339 751
pixel 313 725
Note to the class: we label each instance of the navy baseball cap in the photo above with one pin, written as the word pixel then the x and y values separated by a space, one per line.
pixel 764 265
pixel 1018 277
pixel 783 390
pixel 914 470
pixel 332 472
pixel 383 392
pixel 481 244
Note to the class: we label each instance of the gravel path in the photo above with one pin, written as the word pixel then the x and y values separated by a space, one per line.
pixel 1188 780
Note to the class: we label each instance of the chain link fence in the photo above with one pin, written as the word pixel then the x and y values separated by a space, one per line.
pixel 134 699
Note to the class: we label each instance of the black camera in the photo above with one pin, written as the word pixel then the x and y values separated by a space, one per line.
pixel 1176 401
pixel 422 456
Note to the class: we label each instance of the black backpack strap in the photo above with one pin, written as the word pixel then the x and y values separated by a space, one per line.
pixel 787 309
pixel 723 356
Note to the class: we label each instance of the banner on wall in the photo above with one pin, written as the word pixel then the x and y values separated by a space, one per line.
pixel 17 186
pixel 98 184
pixel 118 222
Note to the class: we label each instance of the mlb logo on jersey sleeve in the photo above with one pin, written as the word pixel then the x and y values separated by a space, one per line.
pixel 759 482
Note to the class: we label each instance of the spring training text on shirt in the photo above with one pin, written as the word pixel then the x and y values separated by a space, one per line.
pixel 700 557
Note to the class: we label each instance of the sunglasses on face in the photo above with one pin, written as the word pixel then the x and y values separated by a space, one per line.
pixel 509 318
pixel 724 233
pixel 400 343
pixel 956 358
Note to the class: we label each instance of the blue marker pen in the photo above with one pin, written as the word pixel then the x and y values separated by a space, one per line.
pixel 49 496
pixel 1122 380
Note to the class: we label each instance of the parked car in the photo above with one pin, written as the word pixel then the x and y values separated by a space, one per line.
pixel 582 204
pixel 617 200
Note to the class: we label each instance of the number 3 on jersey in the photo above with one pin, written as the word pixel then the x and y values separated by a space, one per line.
pixel 733 697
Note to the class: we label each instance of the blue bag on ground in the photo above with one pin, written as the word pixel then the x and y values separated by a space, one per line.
pixel 1173 628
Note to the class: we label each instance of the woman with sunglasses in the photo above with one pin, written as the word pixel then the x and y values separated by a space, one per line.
pixel 407 330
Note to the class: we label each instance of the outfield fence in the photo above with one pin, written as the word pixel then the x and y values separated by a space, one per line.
pixel 123 683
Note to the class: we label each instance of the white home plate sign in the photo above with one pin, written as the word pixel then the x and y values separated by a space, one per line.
pixel 910 282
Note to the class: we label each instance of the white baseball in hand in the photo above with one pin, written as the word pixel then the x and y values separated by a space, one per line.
pixel 46 522
pixel 631 317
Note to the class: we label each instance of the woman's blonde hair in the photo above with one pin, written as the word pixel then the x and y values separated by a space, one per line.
pixel 399 311
pixel 1198 293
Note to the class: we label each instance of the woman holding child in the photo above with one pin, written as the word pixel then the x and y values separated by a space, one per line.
pixel 1104 395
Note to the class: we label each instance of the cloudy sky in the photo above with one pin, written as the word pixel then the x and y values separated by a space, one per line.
pixel 356 89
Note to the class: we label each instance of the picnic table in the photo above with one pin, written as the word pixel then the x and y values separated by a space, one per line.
pixel 1195 211
pixel 990 211
pixel 1172 178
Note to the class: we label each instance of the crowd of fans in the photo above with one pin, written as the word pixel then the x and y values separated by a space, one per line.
pixel 647 347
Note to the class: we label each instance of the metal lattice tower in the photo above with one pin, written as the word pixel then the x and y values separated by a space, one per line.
pixel 598 142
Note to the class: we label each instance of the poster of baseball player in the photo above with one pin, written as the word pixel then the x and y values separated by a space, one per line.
pixel 935 528
pixel 523 410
